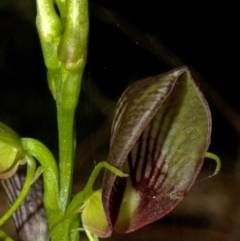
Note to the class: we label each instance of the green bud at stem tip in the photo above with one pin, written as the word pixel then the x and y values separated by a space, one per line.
pixel 72 50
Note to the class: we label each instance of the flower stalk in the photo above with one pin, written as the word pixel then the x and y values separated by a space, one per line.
pixel 64 35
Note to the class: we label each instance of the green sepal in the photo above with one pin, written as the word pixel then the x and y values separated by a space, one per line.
pixel 93 216
pixel 11 151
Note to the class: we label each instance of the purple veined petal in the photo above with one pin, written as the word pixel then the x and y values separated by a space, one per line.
pixel 160 133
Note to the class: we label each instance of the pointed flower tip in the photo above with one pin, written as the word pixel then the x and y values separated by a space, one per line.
pixel 11 152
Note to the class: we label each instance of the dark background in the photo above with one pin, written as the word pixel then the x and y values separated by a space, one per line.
pixel 131 40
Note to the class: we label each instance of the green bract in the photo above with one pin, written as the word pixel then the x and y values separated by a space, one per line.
pixel 93 216
pixel 11 151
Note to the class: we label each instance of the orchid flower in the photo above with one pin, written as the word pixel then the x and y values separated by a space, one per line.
pixel 160 134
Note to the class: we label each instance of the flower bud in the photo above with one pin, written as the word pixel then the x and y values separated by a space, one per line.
pixel 73 45
pixel 49 28
pixel 11 151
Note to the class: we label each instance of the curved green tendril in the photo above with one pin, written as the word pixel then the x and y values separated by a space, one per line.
pixel 216 159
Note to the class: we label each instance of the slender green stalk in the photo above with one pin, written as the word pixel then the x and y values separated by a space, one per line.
pixel 51 184
pixel 4 236
pixel 31 168
pixel 66 154
pixel 64 40
pixel 96 172
pixel 50 176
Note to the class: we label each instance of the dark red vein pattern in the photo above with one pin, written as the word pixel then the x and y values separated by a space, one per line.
pixel 162 128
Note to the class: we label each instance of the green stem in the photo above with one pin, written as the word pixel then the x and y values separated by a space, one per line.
pixel 31 168
pixel 64 45
pixel 4 236
pixel 66 154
